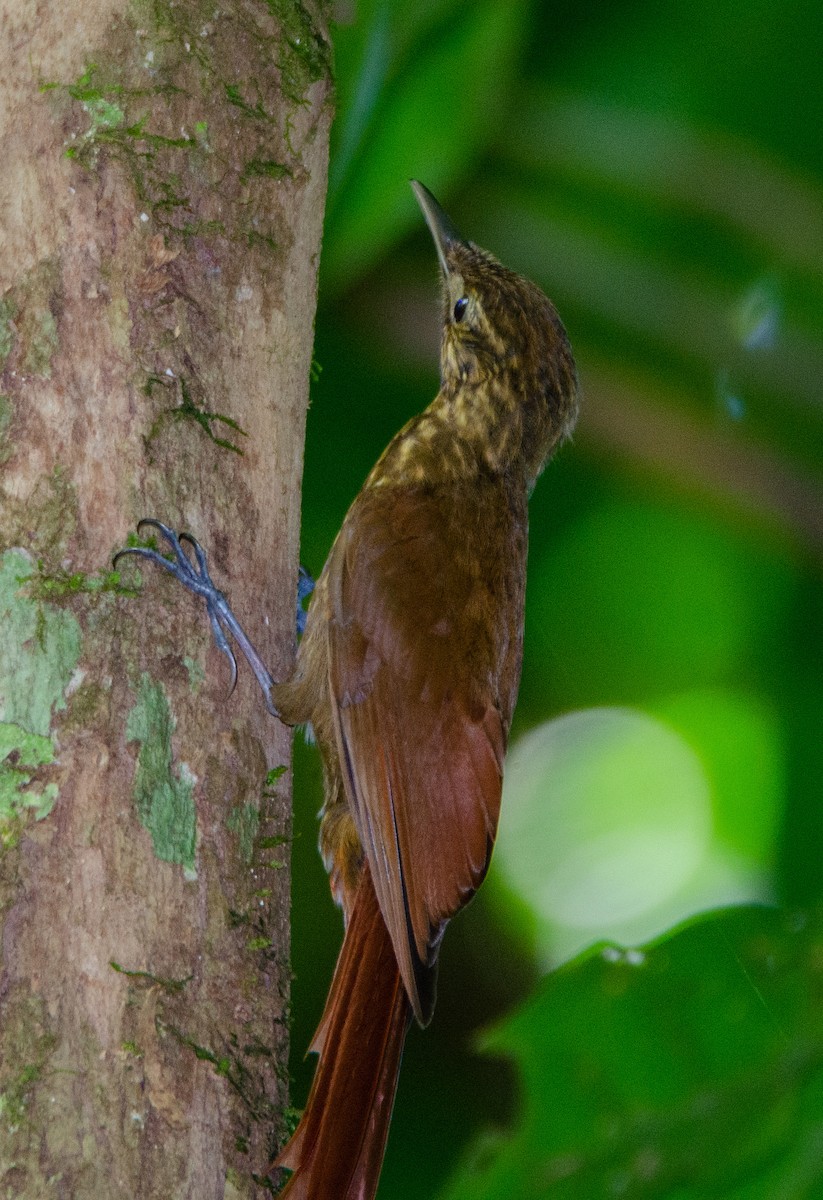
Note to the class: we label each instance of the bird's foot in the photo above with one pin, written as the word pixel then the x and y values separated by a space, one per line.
pixel 194 575
pixel 305 587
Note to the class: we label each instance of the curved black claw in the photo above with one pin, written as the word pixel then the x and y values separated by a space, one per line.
pixel 196 578
pixel 305 587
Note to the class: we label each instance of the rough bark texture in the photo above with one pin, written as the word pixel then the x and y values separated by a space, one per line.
pixel 161 196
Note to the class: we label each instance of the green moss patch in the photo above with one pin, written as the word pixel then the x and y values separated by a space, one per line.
pixel 163 796
pixel 39 651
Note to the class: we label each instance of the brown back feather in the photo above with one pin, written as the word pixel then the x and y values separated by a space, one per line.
pixel 424 658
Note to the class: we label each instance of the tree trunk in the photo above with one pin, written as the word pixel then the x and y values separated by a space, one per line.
pixel 161 196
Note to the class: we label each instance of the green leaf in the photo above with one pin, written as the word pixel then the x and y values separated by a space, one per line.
pixel 426 112
pixel 691 1069
pixel 741 742
pixel 654 598
pixel 381 41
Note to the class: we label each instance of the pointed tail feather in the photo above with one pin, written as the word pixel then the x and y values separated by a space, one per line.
pixel 337 1149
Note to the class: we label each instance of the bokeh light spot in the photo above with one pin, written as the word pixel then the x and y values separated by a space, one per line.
pixel 607 830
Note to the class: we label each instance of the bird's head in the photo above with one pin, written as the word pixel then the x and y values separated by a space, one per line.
pixel 499 327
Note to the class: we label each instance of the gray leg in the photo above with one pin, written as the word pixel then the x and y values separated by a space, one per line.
pixel 195 576
pixel 305 587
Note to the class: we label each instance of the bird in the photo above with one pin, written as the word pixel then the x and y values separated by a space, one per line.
pixel 407 674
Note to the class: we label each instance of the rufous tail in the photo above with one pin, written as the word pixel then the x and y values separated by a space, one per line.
pixel 337 1149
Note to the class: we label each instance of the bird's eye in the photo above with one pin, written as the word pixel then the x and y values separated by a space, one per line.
pixel 460 308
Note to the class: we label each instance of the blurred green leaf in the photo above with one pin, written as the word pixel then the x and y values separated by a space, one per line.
pixel 691 1068
pixel 748 67
pixel 674 169
pixel 653 600
pixel 424 107
pixel 385 38
pixel 741 743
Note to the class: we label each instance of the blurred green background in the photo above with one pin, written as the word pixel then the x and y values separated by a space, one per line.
pixel 658 169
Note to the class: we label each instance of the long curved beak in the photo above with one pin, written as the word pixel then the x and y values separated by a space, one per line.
pixel 442 229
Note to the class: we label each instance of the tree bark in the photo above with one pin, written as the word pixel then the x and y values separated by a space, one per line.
pixel 162 187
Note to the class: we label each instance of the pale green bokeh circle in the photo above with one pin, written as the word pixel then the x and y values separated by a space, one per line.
pixel 606 816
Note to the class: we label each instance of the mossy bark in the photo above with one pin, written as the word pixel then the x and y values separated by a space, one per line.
pixel 162 189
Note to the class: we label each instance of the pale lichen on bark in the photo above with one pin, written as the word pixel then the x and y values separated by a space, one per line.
pixel 39 652
pixel 163 793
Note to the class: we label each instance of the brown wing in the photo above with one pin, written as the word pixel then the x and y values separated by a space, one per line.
pixel 425 597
